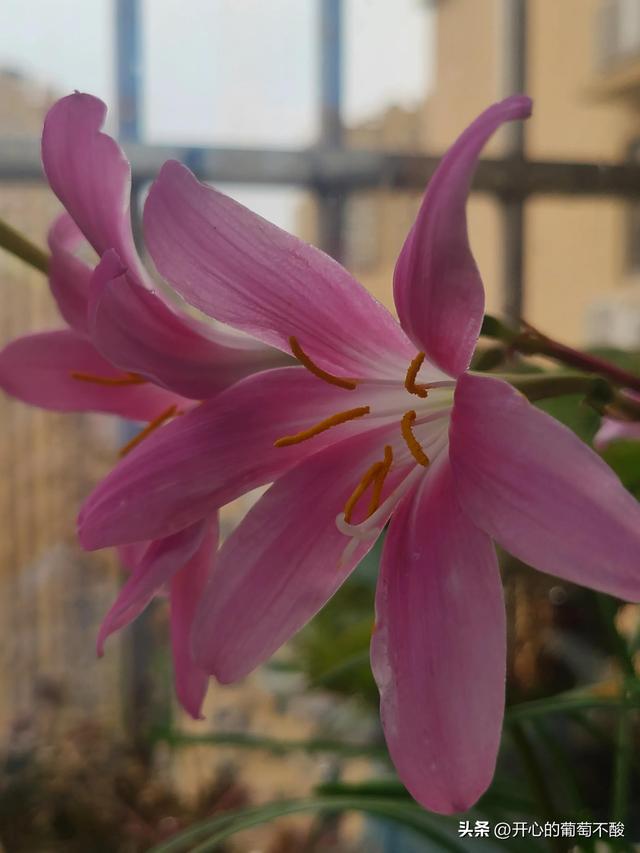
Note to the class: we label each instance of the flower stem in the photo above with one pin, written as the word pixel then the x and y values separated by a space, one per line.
pixel 529 341
pixel 622 769
pixel 540 386
pixel 537 780
pixel 20 246
pixel 624 748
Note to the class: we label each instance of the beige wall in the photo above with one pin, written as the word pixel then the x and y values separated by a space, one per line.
pixel 575 248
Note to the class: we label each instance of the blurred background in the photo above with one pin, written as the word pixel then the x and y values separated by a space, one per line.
pixel 327 117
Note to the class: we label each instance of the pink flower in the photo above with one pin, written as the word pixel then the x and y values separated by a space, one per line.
pixel 125 351
pixel 381 419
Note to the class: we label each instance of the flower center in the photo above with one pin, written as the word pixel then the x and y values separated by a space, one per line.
pixel 374 478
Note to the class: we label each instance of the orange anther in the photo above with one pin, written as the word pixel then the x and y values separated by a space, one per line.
pixel 327 423
pixel 150 427
pixel 412 443
pixel 376 474
pixel 410 378
pixel 380 477
pixel 127 379
pixel 303 358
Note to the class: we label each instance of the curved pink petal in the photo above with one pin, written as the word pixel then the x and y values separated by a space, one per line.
pixel 438 649
pixel 69 277
pixel 437 287
pixel 186 589
pixel 139 331
pixel 90 174
pixel 38 370
pixel 242 270
pixel 162 559
pixel 532 485
pixel 213 454
pixel 284 560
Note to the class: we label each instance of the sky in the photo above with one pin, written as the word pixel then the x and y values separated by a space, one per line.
pixel 227 72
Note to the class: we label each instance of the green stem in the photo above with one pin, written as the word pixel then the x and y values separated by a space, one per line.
pixel 537 779
pixel 540 386
pixel 529 341
pixel 276 745
pixel 622 769
pixel 20 246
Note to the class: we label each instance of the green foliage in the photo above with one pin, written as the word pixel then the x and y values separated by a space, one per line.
pixel 572 411
pixel 626 359
pixel 441 832
pixel 624 458
pixel 333 650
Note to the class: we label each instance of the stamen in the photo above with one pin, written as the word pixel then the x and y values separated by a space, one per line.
pixel 360 489
pixel 327 423
pixel 376 474
pixel 412 443
pixel 303 358
pixel 127 379
pixel 150 427
pixel 410 378
pixel 378 483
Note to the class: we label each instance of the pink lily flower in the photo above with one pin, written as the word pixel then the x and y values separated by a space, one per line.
pixel 381 420
pixel 125 351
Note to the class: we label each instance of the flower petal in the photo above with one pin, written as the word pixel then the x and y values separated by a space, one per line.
pixel 69 277
pixel 131 554
pixel 284 560
pixel 532 485
pixel 438 649
pixel 613 430
pixel 187 586
pixel 437 287
pixel 38 370
pixel 90 174
pixel 214 454
pixel 137 330
pixel 162 559
pixel 244 271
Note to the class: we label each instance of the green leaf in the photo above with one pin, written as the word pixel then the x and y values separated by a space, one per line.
pixel 369 788
pixel 494 328
pixel 278 746
pixel 333 649
pixel 334 674
pixel 212 832
pixel 626 359
pixel 572 411
pixel 563 703
pixel 624 458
